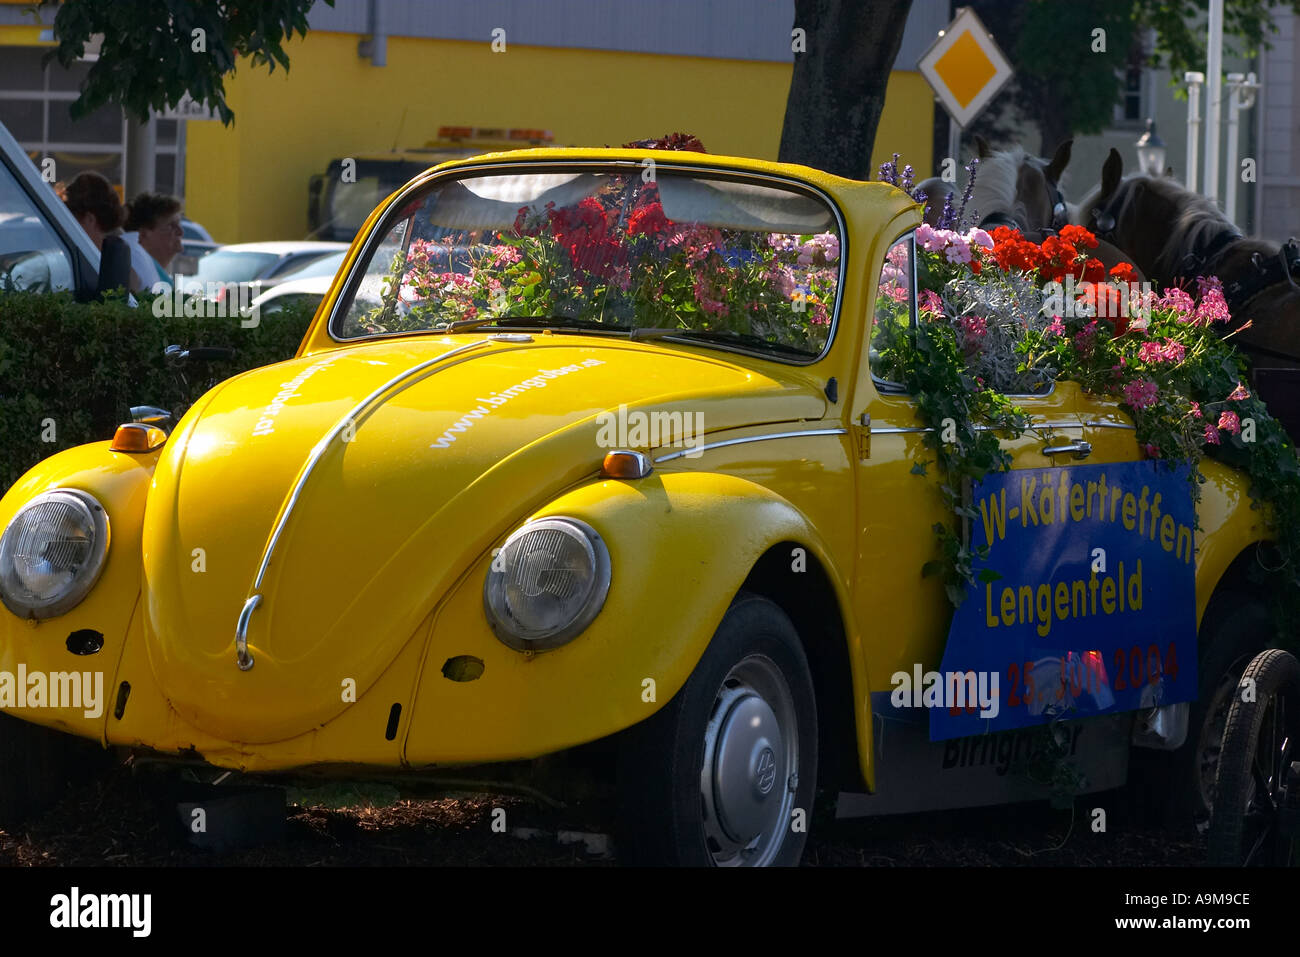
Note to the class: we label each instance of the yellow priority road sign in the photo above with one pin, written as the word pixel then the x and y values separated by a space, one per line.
pixel 965 67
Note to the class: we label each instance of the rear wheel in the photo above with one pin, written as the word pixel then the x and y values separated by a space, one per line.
pixel 1176 788
pixel 724 774
pixel 1257 788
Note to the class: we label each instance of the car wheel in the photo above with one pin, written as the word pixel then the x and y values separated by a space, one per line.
pixel 1176 788
pixel 1258 781
pixel 37 765
pixel 725 773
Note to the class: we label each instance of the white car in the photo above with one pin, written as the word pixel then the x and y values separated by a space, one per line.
pixel 262 265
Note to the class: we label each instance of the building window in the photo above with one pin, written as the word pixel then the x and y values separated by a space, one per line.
pixel 34 105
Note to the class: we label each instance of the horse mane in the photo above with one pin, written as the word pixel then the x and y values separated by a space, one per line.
pixel 1196 223
pixel 994 191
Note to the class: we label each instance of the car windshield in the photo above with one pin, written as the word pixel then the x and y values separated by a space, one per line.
pixel 733 263
pixel 224 265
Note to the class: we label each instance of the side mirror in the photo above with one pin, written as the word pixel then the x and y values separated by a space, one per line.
pixel 114 266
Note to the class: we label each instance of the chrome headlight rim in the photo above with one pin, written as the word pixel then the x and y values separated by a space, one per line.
pixel 86 576
pixel 505 629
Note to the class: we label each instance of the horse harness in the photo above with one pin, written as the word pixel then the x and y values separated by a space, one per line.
pixel 1268 272
pixel 1060 213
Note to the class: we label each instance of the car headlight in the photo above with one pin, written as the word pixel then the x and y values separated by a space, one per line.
pixel 51 553
pixel 546 584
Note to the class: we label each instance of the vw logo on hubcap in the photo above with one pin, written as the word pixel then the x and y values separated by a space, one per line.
pixel 765 771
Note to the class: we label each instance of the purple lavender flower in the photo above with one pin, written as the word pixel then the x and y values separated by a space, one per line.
pixel 908 183
pixel 948 216
pixel 965 196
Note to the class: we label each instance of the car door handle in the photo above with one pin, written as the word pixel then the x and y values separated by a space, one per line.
pixel 1080 450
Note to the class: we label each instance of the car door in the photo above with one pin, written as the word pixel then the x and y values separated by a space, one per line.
pixel 898 507
pixel 905 617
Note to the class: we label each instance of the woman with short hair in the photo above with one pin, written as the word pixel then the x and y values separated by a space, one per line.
pixel 153 231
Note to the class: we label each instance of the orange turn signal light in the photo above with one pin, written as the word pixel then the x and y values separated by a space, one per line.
pixel 137 437
pixel 626 465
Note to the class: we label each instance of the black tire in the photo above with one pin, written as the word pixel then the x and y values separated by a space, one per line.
pixel 673 807
pixel 1175 788
pixel 37 766
pixel 1260 743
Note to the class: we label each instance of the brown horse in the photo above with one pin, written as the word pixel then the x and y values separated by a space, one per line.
pixel 1176 236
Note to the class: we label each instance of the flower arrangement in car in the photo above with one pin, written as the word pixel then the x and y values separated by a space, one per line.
pixel 614 257
pixel 1016 316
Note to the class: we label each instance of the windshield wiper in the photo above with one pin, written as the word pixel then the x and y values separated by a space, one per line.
pixel 560 322
pixel 737 338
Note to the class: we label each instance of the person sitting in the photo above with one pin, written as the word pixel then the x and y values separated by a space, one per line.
pixel 153 231
pixel 93 201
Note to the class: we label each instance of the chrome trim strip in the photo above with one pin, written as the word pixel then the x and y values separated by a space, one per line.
pixel 749 438
pixel 1111 425
pixel 405 379
pixel 242 656
pixel 892 430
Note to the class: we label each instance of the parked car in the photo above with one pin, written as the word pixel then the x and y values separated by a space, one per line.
pixel 195 240
pixel 261 265
pixel 42 246
pixel 563 494
pixel 307 284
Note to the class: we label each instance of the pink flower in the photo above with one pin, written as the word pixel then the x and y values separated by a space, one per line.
pixel 976 326
pixel 1151 352
pixel 1153 451
pixel 830 244
pixel 930 301
pixel 958 251
pixel 782 277
pixel 1140 393
pixel 1211 434
pixel 1174 351
pixel 926 235
pixel 504 254
pixel 1177 301
pixel 978 237
pixel 1057 328
pixel 1229 421
pixel 1196 409
pixel 1087 338
pixel 1238 393
pixel 974 329
pixel 1213 308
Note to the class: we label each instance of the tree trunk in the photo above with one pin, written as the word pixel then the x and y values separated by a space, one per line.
pixel 837 90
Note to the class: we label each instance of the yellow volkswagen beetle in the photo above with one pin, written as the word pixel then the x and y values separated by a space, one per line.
pixel 583 445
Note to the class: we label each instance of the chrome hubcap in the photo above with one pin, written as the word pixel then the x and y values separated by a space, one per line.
pixel 751 763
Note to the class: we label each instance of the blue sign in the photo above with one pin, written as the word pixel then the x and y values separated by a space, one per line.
pixel 1095 609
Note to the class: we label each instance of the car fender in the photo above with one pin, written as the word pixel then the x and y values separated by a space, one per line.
pixel 681 545
pixel 119 481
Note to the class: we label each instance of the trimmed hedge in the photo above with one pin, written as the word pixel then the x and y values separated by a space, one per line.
pixel 80 367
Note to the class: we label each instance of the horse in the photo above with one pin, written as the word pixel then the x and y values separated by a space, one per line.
pixel 1015 189
pixel 1175 236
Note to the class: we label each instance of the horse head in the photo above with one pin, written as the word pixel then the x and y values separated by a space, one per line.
pixel 1015 189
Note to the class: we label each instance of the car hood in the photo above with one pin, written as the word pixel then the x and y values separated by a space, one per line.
pixel 398 505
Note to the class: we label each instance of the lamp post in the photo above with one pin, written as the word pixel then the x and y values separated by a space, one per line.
pixel 1241 96
pixel 1213 98
pixel 1194 80
pixel 1151 150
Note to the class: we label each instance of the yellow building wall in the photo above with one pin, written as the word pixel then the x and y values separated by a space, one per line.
pixel 248 182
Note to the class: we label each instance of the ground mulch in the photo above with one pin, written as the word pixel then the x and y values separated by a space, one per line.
pixel 121 820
